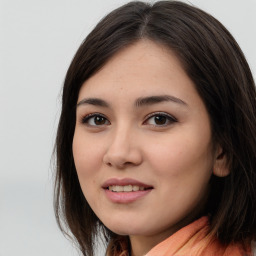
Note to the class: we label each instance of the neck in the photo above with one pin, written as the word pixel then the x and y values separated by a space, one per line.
pixel 141 245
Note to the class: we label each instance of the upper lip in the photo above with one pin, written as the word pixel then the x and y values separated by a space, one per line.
pixel 124 182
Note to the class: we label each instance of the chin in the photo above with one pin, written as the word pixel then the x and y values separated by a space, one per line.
pixel 125 229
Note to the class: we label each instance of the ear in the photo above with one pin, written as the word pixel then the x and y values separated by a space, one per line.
pixel 220 167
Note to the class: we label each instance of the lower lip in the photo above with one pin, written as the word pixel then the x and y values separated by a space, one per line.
pixel 126 197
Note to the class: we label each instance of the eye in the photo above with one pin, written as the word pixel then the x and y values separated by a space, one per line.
pixel 95 120
pixel 160 119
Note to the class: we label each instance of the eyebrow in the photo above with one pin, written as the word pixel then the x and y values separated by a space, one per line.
pixel 140 102
pixel 93 101
pixel 158 99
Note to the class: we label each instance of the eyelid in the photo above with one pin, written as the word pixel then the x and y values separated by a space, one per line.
pixel 160 113
pixel 170 117
pixel 84 119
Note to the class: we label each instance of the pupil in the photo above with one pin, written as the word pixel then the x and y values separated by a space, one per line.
pixel 99 120
pixel 160 120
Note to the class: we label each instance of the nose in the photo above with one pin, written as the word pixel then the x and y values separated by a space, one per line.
pixel 123 149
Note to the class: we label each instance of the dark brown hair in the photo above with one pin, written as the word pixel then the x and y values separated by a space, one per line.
pixel 214 62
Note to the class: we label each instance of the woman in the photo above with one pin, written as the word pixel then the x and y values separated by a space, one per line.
pixel 156 141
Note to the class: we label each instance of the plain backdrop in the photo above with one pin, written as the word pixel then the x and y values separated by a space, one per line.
pixel 37 42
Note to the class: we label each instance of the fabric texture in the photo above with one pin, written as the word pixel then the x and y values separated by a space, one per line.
pixel 192 240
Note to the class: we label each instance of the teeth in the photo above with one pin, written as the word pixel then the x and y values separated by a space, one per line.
pixel 135 188
pixel 127 188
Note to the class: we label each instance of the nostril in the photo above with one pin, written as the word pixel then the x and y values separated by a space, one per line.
pixel 122 158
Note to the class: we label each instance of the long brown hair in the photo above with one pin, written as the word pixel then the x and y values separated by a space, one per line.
pixel 214 62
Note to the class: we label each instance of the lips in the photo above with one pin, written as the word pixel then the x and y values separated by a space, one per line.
pixel 126 190
pixel 125 185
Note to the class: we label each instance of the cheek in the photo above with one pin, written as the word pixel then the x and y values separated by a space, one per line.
pixel 86 153
pixel 87 157
pixel 181 155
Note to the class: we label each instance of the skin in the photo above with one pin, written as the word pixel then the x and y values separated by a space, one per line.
pixel 176 157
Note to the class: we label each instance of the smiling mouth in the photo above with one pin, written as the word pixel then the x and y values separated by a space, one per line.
pixel 127 188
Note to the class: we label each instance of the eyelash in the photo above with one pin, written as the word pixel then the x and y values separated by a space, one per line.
pixel 169 118
pixel 86 119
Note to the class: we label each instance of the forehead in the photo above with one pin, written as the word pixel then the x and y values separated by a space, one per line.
pixel 143 68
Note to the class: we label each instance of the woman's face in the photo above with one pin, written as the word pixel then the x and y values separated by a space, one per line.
pixel 142 144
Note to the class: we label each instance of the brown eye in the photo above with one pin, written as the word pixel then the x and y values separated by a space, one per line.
pixel 95 120
pixel 99 120
pixel 160 119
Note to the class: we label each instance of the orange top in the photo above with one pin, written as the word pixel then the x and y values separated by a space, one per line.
pixel 192 240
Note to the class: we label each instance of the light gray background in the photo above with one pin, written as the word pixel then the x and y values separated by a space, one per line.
pixel 37 42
